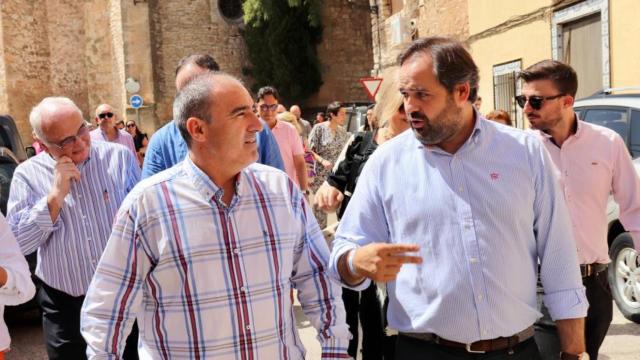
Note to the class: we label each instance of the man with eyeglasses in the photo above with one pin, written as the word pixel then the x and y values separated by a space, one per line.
pixel 289 142
pixel 107 129
pixel 591 162
pixel 63 203
pixel 167 147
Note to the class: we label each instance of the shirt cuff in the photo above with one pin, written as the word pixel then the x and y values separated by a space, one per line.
pixel 335 348
pixel 43 216
pixel 340 249
pixel 567 304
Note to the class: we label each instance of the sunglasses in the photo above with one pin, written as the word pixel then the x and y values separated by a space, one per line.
pixel 68 142
pixel 131 125
pixel 265 107
pixel 536 102
pixel 106 115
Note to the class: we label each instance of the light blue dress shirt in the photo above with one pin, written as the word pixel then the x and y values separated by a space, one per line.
pixel 167 148
pixel 483 218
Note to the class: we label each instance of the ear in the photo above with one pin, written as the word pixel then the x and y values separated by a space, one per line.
pixel 196 129
pixel 44 146
pixel 568 101
pixel 461 92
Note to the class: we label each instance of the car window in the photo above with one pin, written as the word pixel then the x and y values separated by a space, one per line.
pixel 615 119
pixel 634 139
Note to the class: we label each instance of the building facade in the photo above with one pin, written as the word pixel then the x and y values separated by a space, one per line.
pixel 87 50
pixel 504 36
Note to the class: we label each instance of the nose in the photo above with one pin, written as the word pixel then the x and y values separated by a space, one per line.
pixel 254 123
pixel 410 104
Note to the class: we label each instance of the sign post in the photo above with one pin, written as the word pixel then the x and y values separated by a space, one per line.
pixel 371 86
pixel 136 103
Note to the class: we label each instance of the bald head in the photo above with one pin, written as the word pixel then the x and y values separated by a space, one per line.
pixel 50 113
pixel 295 110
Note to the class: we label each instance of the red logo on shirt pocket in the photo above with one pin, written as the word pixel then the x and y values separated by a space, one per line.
pixel 594 163
pixel 494 176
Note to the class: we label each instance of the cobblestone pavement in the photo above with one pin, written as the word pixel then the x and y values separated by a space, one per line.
pixel 622 342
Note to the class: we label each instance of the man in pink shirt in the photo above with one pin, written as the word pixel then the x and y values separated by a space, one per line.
pixel 591 162
pixel 108 131
pixel 286 135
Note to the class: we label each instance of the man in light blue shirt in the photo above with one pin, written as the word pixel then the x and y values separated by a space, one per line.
pixel 456 216
pixel 167 147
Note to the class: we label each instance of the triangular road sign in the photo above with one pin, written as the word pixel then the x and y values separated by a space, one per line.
pixel 371 86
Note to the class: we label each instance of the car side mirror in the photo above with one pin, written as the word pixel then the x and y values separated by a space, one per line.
pixel 31 151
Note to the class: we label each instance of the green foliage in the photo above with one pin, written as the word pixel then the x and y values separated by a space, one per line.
pixel 281 37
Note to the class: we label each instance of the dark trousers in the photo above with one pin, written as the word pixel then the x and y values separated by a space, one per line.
pixel 599 318
pixel 409 348
pixel 366 307
pixel 61 326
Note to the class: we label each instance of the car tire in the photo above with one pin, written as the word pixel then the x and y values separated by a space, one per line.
pixel 624 276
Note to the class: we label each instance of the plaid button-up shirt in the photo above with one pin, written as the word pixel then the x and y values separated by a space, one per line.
pixel 206 280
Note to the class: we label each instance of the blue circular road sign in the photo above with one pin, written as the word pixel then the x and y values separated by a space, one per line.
pixel 136 101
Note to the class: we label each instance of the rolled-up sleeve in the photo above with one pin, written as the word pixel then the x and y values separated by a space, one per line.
pixel 565 295
pixel 363 222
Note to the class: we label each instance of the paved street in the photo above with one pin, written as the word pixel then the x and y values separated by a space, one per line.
pixel 622 342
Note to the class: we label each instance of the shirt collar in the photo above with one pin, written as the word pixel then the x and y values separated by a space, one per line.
pixel 207 188
pixel 577 134
pixel 106 138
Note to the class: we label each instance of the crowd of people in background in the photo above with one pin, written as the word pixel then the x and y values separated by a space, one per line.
pixel 203 256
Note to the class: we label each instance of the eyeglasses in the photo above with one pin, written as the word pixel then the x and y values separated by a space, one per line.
pixel 131 125
pixel 265 107
pixel 535 101
pixel 106 115
pixel 68 142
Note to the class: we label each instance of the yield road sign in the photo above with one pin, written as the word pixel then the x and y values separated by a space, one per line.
pixel 371 86
pixel 136 101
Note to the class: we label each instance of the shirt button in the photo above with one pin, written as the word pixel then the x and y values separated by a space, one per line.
pixel 480 297
pixel 248 327
pixel 473 260
pixel 461 189
pixel 485 332
pixel 243 289
pixel 236 251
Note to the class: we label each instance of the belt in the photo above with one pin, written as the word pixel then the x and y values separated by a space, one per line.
pixel 587 270
pixel 479 347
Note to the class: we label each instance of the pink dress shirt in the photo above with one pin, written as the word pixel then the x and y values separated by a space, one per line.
pixel 124 138
pixel 592 164
pixel 290 145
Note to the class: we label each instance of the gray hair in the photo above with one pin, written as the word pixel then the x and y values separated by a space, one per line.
pixel 195 100
pixel 47 106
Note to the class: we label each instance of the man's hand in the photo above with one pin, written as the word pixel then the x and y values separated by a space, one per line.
pixel 64 172
pixel 379 262
pixel 328 198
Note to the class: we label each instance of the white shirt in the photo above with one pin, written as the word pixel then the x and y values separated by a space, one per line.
pixel 19 288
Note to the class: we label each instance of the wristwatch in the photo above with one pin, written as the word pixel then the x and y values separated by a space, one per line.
pixel 567 356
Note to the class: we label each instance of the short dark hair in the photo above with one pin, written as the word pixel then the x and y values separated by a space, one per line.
pixel 500 115
pixel 562 75
pixel 268 90
pixel 193 100
pixel 334 108
pixel 203 60
pixel 452 63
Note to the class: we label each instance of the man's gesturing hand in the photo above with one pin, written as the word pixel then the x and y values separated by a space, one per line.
pixel 382 262
pixel 328 198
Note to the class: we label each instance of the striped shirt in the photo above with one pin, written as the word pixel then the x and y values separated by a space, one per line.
pixel 123 138
pixel 70 247
pixel 483 218
pixel 209 281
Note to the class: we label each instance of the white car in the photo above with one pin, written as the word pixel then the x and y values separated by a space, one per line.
pixel 621 113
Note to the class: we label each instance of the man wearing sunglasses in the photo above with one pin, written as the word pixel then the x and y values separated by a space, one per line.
pixel 63 203
pixel 167 147
pixel 591 162
pixel 107 129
